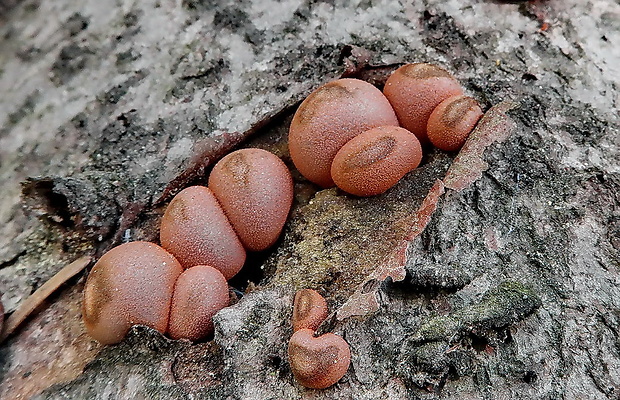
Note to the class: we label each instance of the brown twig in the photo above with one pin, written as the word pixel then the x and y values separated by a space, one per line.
pixel 42 293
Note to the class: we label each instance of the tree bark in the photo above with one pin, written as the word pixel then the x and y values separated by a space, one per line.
pixel 491 274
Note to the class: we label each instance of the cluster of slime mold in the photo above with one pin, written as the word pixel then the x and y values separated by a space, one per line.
pixel 204 234
pixel 349 134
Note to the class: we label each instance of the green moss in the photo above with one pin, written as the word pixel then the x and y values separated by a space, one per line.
pixel 431 357
pixel 504 305
pixel 438 328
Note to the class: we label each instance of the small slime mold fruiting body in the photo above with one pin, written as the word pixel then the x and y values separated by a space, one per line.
pixel 309 310
pixel 196 231
pixel 328 118
pixel 318 362
pixel 452 121
pixel 200 292
pixel 131 284
pixel 376 160
pixel 251 187
pixel 255 189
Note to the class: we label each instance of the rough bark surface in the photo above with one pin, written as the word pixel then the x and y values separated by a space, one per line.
pixel 511 290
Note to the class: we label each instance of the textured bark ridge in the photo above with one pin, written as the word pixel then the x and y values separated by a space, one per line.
pixel 502 260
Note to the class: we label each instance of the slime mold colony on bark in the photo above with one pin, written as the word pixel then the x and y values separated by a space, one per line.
pixel 200 292
pixel 345 133
pixel 333 138
pixel 316 362
pixel 135 283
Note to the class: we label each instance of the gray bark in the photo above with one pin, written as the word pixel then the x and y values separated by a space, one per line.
pixel 511 290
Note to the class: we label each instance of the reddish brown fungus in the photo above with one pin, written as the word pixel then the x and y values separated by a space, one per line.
pixel 309 310
pixel 328 118
pixel 131 284
pixel 200 292
pixel 376 160
pixel 414 90
pixel 318 362
pixel 255 189
pixel 195 229
pixel 452 121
